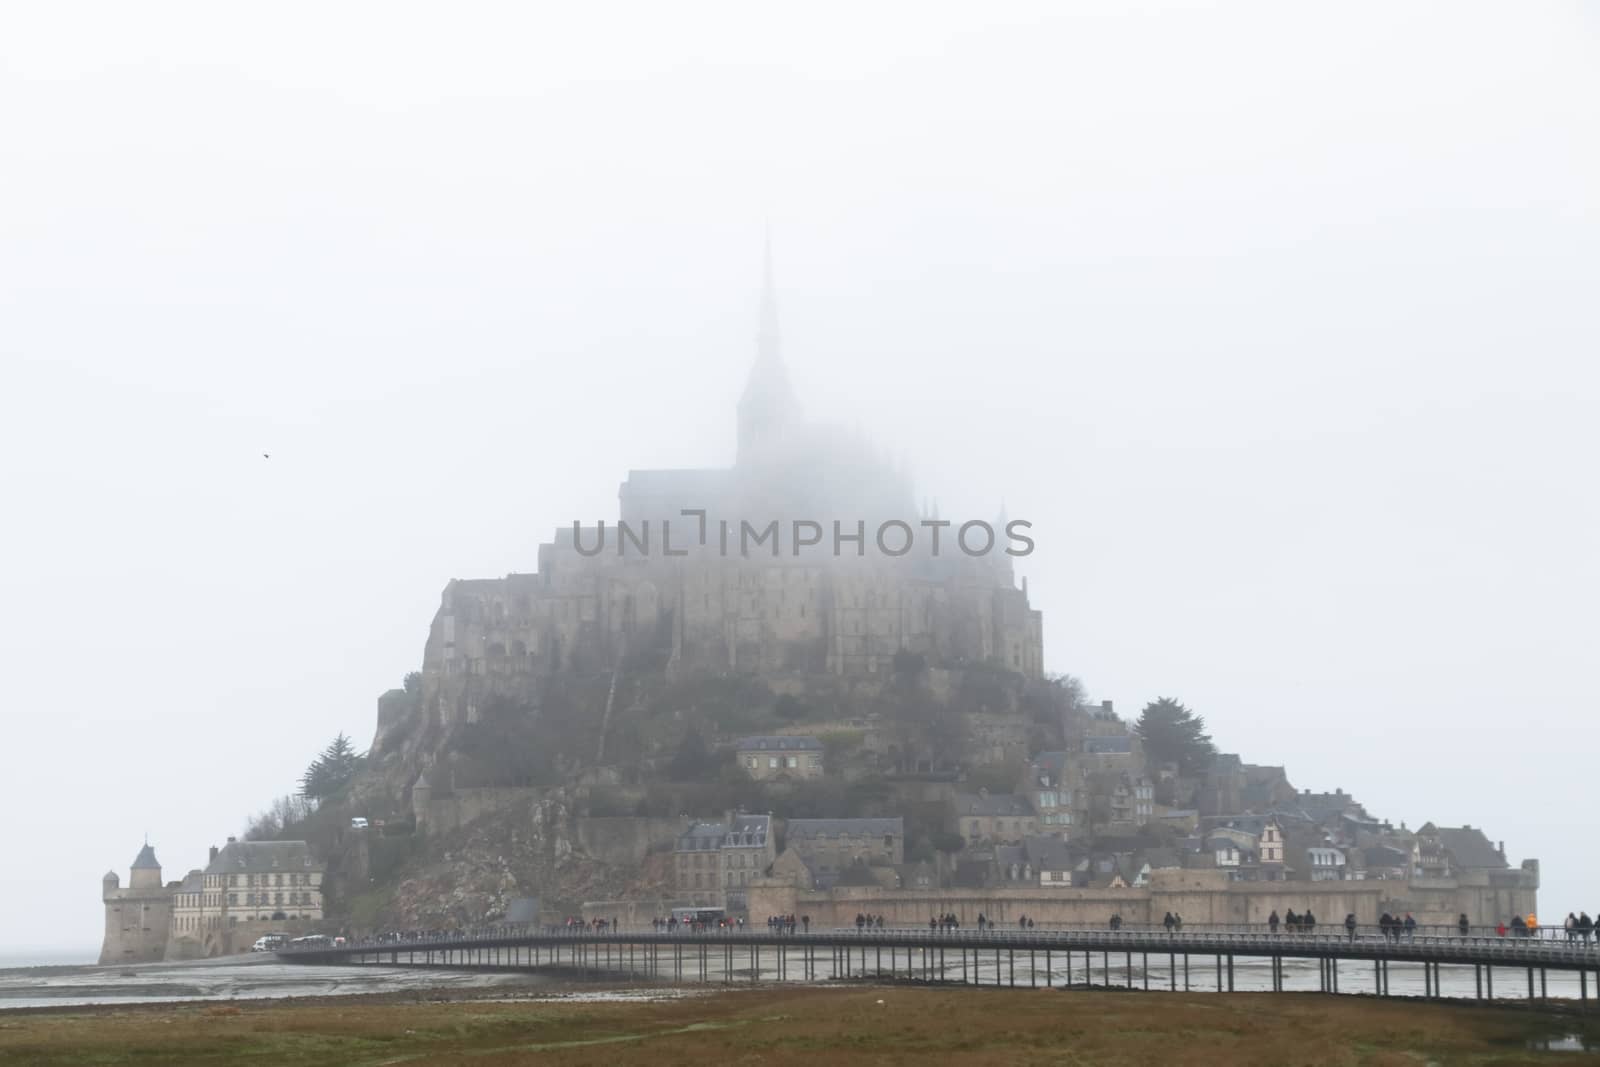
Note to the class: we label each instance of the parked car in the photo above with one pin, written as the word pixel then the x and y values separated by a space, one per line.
pixel 313 941
pixel 270 942
pixel 358 823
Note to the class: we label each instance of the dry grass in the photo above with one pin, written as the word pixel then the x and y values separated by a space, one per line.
pixel 810 1025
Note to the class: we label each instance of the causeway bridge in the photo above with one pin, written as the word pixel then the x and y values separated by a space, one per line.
pixel 1452 966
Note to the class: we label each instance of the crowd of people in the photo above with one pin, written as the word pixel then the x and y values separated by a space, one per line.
pixel 1579 926
pixel 1302 923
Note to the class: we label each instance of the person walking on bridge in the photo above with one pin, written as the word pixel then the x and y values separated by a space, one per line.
pixel 1273 920
pixel 1571 926
pixel 1463 925
pixel 1411 927
pixel 1350 924
pixel 1167 922
pixel 1585 926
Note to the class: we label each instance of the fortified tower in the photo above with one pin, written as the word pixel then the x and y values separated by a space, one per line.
pixel 139 917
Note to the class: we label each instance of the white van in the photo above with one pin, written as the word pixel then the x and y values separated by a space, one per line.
pixel 270 942
pixel 358 823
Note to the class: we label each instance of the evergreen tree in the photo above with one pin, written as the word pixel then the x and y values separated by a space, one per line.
pixel 694 761
pixel 332 771
pixel 1171 733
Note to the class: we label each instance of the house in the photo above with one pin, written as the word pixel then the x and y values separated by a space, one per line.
pixel 1326 863
pixel 830 846
pixel 1132 800
pixel 1386 862
pixel 985 816
pixel 1051 861
pixel 1050 789
pixel 767 758
pixel 1461 849
pixel 714 862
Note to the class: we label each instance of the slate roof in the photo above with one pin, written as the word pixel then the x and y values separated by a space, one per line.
pixel 254 857
pixel 146 859
pixel 1108 746
pixel 702 837
pixel 1006 855
pixel 1469 846
pixel 1385 856
pixel 1048 853
pixel 993 804
pixel 1159 858
pixel 744 831
pixel 749 830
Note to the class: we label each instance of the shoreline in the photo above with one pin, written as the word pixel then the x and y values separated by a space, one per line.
pixel 846 1024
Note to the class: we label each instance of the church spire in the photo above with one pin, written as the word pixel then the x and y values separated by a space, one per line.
pixel 768 347
pixel 767 407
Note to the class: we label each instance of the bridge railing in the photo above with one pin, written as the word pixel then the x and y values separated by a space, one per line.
pixel 1241 939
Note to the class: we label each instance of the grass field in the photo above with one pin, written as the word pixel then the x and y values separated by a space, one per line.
pixel 856 1025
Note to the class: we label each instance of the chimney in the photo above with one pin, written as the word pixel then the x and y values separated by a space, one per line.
pixel 231 840
pixel 213 853
pixel 1501 848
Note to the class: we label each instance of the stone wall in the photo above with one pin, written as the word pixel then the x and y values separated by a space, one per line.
pixel 456 809
pixel 1199 896
pixel 626 840
pixel 137 924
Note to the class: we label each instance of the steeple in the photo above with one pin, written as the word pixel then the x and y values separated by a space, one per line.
pixel 768 346
pixel 767 407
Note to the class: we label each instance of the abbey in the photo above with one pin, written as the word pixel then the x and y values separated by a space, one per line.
pixel 811 609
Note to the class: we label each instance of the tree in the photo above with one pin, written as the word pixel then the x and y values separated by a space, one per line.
pixel 1171 733
pixel 694 761
pixel 413 683
pixel 789 707
pixel 332 771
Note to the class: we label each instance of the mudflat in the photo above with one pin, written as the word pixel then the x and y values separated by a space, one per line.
pixel 852 1025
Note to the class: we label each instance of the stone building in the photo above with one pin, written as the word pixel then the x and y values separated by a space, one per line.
pixel 998 817
pixel 138 918
pixel 794 559
pixel 829 847
pixel 1052 788
pixel 714 862
pixel 766 758
pixel 249 888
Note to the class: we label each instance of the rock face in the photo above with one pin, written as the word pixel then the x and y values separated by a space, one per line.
pixel 471 875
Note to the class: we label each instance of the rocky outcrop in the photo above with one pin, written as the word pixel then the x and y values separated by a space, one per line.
pixel 471 875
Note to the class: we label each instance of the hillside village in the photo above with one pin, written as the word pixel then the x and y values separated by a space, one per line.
pixel 768 720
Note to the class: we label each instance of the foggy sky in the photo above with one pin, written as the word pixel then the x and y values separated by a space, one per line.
pixel 1280 326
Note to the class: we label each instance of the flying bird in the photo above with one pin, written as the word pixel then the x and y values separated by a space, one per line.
pixel 265 456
